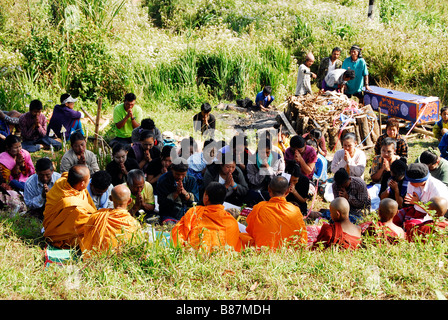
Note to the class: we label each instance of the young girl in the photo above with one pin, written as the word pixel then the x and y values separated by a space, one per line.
pixel 120 165
pixel 16 165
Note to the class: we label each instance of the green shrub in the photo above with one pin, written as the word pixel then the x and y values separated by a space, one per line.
pixel 303 31
pixel 94 69
pixel 41 52
pixel 390 9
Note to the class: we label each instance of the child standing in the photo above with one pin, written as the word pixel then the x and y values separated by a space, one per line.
pixel 304 76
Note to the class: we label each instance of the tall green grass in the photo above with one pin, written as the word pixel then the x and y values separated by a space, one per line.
pixel 182 52
pixel 415 271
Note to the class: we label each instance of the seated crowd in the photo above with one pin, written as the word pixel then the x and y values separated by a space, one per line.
pixel 192 186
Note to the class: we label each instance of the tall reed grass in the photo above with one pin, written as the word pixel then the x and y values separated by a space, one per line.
pixel 183 52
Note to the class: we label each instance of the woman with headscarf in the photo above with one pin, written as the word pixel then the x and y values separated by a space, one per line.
pixel 265 166
pixel 356 62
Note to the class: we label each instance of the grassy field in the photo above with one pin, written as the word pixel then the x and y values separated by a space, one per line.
pixel 150 271
pixel 145 270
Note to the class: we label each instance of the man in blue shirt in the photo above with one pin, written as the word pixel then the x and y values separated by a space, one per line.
pixel 356 62
pixel 100 188
pixel 264 98
pixel 37 186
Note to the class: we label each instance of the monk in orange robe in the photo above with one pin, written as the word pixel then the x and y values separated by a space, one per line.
pixel 275 222
pixel 439 207
pixel 68 208
pixel 107 228
pixel 385 230
pixel 342 232
pixel 209 226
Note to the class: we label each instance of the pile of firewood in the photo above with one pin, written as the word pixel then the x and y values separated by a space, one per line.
pixel 330 112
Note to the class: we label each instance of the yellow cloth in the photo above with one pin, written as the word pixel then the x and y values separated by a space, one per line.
pixel 437 130
pixel 284 146
pixel 107 229
pixel 271 223
pixel 207 227
pixel 66 212
pixel 147 194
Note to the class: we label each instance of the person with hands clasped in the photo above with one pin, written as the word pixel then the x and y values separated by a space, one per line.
pixel 15 163
pixel 176 190
pixel 395 184
pixel 38 185
pixel 144 151
pixel 381 163
pixel 120 165
pixel 205 121
pixel 78 154
pixel 226 172
pixel 421 188
pixel 304 155
pixel 126 117
pixel 142 194
pixel 351 158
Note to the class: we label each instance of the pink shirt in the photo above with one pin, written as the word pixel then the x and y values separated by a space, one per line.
pixel 8 162
pixel 309 155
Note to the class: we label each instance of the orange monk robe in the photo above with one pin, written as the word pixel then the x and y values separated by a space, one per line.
pixel 207 227
pixel 382 233
pixel 273 222
pixel 332 234
pixel 109 228
pixel 66 212
pixel 427 228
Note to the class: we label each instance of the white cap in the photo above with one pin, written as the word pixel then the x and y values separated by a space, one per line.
pixel 69 99
pixel 167 135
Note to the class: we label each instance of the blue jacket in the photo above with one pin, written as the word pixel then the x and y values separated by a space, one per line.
pixel 443 146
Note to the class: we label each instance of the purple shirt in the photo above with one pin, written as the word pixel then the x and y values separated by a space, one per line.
pixel 26 122
pixel 309 155
pixel 62 116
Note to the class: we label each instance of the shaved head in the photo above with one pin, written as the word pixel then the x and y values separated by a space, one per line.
pixel 77 174
pixel 340 205
pixel 388 209
pixel 120 194
pixel 440 205
pixel 278 186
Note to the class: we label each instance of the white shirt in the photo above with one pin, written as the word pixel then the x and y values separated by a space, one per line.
pixel 331 65
pixel 357 164
pixel 303 85
pixel 334 77
pixel 33 190
pixel 432 188
pixel 221 180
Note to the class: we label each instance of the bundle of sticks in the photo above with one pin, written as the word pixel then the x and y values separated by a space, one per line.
pixel 334 114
